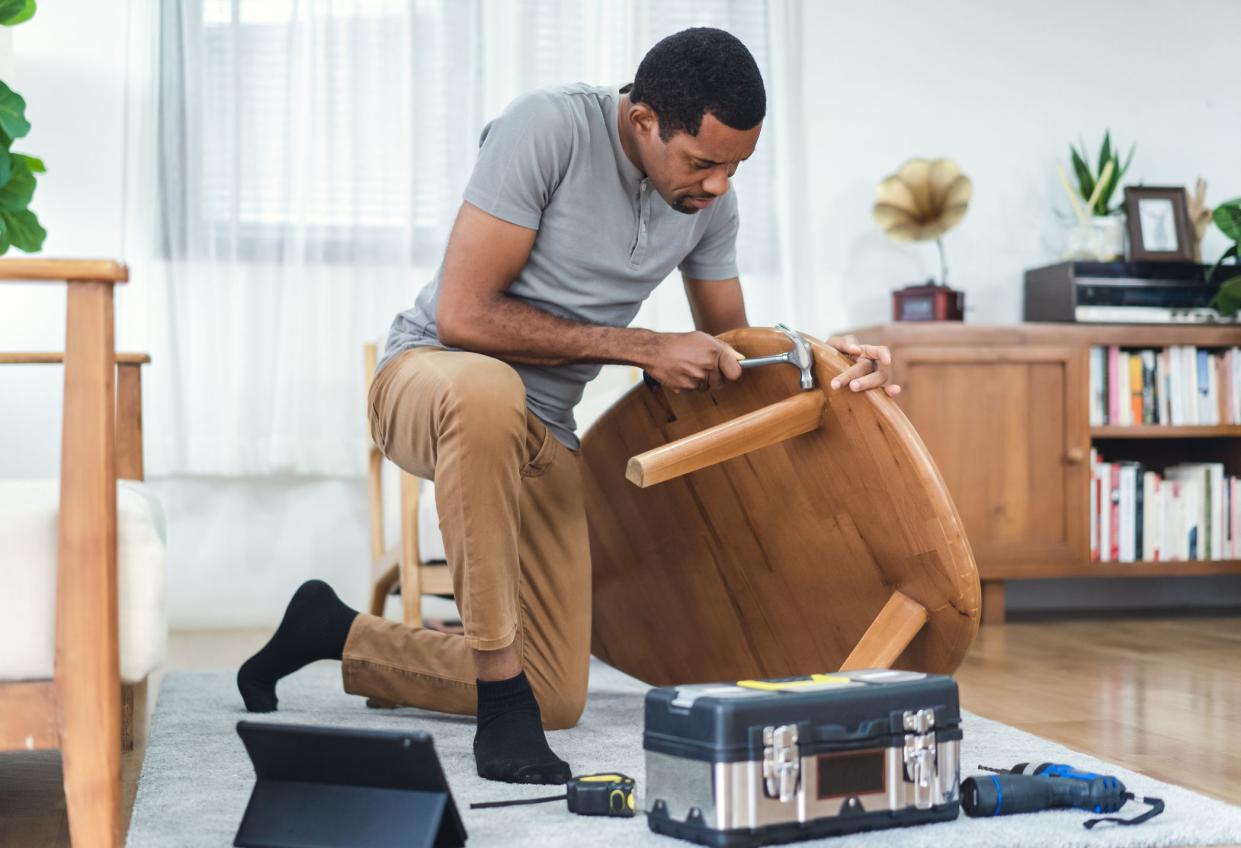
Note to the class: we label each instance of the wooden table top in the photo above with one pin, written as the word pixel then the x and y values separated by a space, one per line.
pixel 773 563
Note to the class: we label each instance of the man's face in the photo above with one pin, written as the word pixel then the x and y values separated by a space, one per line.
pixel 690 171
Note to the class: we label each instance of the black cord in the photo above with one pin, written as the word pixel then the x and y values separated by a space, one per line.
pixel 490 804
pixel 1156 808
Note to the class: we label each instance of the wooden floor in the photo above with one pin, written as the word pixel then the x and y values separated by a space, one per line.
pixel 1160 696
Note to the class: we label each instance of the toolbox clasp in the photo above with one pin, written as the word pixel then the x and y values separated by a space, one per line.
pixel 781 762
pixel 920 756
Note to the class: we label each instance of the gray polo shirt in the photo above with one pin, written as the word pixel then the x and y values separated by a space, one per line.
pixel 553 162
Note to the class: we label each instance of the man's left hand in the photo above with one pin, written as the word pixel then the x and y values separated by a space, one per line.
pixel 872 369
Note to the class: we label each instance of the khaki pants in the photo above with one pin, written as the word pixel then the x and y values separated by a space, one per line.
pixel 509 500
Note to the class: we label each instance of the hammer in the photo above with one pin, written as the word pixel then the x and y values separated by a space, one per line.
pixel 799 357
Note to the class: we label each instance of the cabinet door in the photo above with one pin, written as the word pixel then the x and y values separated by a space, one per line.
pixel 1008 428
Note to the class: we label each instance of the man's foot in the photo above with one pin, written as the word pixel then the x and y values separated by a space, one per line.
pixel 509 744
pixel 314 627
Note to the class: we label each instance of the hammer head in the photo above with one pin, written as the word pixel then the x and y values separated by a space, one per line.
pixel 800 355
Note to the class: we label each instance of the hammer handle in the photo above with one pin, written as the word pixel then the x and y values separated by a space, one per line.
pixel 764 360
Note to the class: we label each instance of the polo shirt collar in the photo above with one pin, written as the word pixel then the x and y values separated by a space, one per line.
pixel 627 169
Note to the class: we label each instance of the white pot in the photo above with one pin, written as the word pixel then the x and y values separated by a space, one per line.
pixel 1100 239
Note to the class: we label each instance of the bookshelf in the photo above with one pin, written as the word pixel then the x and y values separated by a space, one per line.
pixel 1004 411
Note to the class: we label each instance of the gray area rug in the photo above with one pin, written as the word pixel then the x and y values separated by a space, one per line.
pixel 196 777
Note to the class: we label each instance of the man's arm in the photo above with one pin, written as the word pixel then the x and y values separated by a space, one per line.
pixel 483 257
pixel 717 305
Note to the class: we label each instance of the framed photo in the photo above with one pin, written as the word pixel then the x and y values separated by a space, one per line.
pixel 1158 220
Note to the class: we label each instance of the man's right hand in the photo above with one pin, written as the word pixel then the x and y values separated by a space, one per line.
pixel 692 361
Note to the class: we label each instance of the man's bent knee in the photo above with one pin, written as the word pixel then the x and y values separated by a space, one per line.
pixel 562 708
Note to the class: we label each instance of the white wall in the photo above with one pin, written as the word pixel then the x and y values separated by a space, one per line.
pixel 1001 87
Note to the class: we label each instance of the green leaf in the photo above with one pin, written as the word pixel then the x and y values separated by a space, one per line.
pixel 11 9
pixel 6 166
pixel 1085 182
pixel 1228 299
pixel 23 14
pixel 12 113
pixel 24 230
pixel 16 193
pixel 1227 217
pixel 1105 152
pixel 4 237
pixel 33 163
pixel 1232 251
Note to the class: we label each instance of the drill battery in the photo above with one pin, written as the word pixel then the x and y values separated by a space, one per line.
pixel 764 761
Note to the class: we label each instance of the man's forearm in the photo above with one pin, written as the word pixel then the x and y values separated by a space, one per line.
pixel 504 327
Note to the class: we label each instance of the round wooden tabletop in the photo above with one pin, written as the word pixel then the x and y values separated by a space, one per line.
pixel 778 561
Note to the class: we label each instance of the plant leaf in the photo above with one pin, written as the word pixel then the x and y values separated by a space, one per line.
pixel 11 9
pixel 1105 152
pixel 23 14
pixel 6 167
pixel 1129 158
pixel 1227 217
pixel 32 162
pixel 1085 182
pixel 17 191
pixel 4 237
pixel 12 113
pixel 1232 251
pixel 24 230
pixel 1228 299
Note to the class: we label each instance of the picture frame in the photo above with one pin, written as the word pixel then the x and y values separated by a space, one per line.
pixel 1158 224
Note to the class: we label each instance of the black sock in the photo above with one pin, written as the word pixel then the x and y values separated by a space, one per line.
pixel 314 627
pixel 509 744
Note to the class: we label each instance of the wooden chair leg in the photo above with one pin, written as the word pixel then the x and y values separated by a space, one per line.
pixel 411 565
pixel 889 634
pixel 133 711
pixel 88 689
pixel 382 588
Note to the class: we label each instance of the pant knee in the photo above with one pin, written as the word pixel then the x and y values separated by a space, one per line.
pixel 487 400
pixel 562 708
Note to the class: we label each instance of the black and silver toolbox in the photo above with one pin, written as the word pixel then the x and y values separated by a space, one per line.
pixel 765 761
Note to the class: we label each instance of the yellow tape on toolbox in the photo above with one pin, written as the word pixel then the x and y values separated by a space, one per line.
pixel 787 685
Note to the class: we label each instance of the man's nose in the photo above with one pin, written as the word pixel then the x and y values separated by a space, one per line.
pixel 716 183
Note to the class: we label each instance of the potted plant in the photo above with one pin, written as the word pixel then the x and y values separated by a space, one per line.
pixel 1099 232
pixel 18 225
pixel 1227 217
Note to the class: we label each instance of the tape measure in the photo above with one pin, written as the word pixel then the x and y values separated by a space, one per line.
pixel 608 794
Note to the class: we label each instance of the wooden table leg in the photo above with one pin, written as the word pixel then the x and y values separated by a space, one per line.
pixel 889 634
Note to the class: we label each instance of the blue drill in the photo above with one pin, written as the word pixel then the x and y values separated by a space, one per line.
pixel 1047 786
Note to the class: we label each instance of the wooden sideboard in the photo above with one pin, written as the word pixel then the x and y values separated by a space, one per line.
pixel 1004 411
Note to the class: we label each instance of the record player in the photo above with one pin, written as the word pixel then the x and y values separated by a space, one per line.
pixel 1121 293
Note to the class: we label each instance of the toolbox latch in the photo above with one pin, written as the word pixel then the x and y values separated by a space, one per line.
pixel 920 758
pixel 781 762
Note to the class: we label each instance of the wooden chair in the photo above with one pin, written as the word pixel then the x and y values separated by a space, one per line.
pixel 79 710
pixel 763 530
pixel 398 568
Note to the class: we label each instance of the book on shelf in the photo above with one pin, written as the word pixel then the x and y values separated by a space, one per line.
pixel 1188 511
pixel 1177 385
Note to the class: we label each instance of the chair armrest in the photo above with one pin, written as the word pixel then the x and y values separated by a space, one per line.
pixel 56 357
pixel 63 270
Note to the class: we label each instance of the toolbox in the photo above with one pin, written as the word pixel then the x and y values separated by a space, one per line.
pixel 758 762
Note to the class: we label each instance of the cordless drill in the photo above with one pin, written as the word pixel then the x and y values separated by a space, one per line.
pixel 1047 786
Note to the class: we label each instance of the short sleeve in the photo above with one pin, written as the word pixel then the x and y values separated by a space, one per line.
pixel 715 255
pixel 523 154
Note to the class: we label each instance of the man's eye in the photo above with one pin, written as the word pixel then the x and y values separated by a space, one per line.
pixel 701 167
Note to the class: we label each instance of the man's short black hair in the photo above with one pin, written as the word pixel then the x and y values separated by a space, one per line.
pixel 697 71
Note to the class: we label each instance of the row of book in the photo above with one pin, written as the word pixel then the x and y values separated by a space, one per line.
pixel 1177 385
pixel 1190 511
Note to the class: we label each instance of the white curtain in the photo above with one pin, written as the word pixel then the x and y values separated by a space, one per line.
pixel 294 167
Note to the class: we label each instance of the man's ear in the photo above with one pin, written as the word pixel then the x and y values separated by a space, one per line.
pixel 644 120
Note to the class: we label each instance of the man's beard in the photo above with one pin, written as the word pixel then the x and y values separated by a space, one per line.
pixel 681 202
